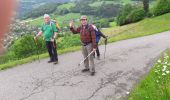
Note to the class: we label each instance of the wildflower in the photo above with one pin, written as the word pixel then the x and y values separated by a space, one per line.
pixel 127 92
pixel 164 68
pixel 159 61
pixel 166 63
pixel 163 74
pixel 156 71
pixel 166 57
pixel 167 72
pixel 157 81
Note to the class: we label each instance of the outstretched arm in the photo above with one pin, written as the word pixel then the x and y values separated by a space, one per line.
pixel 39 34
pixel 72 29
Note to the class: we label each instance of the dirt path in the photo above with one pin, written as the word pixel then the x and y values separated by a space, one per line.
pixel 126 61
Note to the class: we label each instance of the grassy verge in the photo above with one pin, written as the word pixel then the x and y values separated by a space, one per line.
pixel 145 27
pixel 35 57
pixel 156 85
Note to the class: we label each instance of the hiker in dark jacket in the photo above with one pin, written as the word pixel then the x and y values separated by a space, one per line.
pixel 88 41
pixel 49 32
pixel 99 34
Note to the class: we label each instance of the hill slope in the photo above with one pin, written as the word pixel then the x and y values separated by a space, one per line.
pixel 147 26
pixel 27 5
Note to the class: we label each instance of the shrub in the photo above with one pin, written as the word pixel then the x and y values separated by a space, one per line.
pixel 121 19
pixel 68 40
pixel 130 14
pixel 161 7
pixel 25 46
pixel 136 15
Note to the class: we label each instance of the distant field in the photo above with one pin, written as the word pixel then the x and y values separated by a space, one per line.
pixel 96 4
pixel 99 3
pixel 68 5
pixel 61 19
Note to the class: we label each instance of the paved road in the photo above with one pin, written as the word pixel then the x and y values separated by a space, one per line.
pixel 126 61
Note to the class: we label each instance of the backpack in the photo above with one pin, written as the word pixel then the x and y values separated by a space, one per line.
pixel 98 35
pixel 56 24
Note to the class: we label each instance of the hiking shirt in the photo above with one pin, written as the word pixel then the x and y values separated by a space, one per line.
pixel 87 34
pixel 48 31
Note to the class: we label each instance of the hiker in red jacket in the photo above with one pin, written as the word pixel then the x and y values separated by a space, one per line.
pixel 88 41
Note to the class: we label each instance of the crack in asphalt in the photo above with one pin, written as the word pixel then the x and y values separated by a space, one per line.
pixel 109 79
pixel 51 81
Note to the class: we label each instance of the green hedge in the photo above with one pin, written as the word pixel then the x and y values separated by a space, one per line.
pixel 161 7
pixel 130 14
pixel 136 15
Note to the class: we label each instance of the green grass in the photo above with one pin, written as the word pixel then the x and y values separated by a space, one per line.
pixel 66 6
pixel 156 85
pixel 112 24
pixel 145 27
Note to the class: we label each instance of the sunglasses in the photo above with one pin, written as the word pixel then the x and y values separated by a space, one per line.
pixel 83 19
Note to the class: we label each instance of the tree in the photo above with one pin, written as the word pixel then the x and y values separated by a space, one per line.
pixel 146 6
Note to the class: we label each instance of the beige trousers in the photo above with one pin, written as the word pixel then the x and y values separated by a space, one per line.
pixel 89 62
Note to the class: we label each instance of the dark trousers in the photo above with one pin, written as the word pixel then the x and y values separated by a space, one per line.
pixel 97 50
pixel 51 47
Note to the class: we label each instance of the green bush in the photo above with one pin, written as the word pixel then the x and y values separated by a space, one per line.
pixel 102 23
pixel 130 14
pixel 69 40
pixel 161 7
pixel 136 15
pixel 25 46
pixel 121 18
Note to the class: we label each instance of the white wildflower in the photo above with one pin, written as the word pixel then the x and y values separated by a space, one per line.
pixel 164 68
pixel 166 57
pixel 166 63
pixel 156 71
pixel 157 81
pixel 159 61
pixel 163 74
pixel 167 72
pixel 127 92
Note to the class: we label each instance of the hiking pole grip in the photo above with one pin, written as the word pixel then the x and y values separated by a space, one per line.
pixel 86 57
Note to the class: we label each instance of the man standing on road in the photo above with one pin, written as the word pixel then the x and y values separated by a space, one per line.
pixel 49 32
pixel 88 40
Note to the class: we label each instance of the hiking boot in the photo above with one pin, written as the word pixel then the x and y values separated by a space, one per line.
pixel 50 61
pixel 55 62
pixel 92 73
pixel 84 70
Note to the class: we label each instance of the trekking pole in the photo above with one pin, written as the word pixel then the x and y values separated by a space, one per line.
pixel 86 58
pixel 105 42
pixel 37 48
